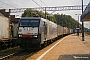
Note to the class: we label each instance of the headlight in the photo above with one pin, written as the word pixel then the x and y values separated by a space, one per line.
pixel 20 35
pixel 35 36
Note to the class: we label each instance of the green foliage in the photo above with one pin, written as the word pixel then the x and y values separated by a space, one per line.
pixel 66 20
pixel 63 20
pixel 30 13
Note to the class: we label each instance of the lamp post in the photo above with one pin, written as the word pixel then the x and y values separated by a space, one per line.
pixel 78 25
pixel 82 24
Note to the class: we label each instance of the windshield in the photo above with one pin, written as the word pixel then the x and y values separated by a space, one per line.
pixel 34 23
pixel 24 22
pixel 29 22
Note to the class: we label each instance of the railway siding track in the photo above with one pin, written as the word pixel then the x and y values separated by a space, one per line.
pixel 18 54
pixel 4 54
pixel 5 57
pixel 23 55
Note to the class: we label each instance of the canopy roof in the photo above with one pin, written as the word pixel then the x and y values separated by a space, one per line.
pixel 86 14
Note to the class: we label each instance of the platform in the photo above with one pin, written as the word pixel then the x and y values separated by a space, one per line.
pixel 70 47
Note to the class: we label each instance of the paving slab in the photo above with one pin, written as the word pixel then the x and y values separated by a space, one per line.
pixel 69 46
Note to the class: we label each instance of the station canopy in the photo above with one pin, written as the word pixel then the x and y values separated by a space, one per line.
pixel 86 14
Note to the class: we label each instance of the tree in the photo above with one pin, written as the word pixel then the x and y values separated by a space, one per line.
pixel 30 13
pixel 63 20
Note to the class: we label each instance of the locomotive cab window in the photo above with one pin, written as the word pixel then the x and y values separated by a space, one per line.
pixel 34 23
pixel 24 22
pixel 29 22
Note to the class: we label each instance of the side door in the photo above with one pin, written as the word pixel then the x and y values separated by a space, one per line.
pixel 45 30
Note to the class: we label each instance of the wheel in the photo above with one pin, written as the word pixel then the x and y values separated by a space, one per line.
pixel 45 44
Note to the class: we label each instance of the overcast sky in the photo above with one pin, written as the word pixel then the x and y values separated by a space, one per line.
pixel 31 3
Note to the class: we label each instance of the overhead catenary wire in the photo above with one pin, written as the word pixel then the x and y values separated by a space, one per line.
pixel 7 4
pixel 36 3
pixel 43 2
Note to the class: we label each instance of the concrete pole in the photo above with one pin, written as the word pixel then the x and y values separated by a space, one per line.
pixel 45 13
pixel 82 24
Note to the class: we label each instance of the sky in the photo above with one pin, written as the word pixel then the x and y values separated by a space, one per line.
pixel 46 3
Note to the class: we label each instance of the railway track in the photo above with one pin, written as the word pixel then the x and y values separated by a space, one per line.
pixel 19 55
pixel 22 55
pixel 4 54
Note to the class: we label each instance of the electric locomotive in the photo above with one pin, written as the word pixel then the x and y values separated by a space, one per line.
pixel 35 32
